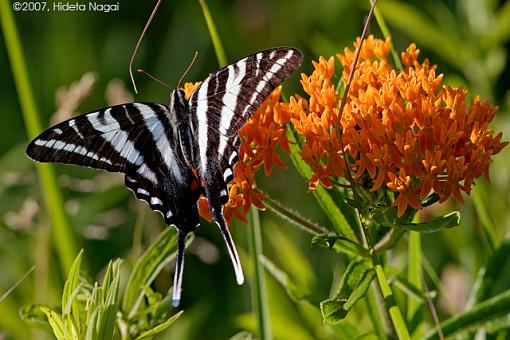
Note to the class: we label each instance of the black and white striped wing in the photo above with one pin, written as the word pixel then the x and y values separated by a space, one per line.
pixel 135 139
pixel 223 103
pixel 219 107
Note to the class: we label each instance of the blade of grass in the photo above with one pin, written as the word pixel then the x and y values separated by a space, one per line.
pixel 482 213
pixel 378 316
pixel 218 46
pixel 64 238
pixel 474 318
pixel 259 290
pixel 386 32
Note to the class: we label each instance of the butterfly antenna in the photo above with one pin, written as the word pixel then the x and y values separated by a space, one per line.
pixel 141 70
pixel 139 42
pixel 179 266
pixel 231 250
pixel 189 67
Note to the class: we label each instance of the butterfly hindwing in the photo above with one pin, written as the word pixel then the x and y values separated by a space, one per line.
pixel 219 107
pixel 223 103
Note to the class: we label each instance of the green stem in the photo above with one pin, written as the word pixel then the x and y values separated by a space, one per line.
pixel 218 47
pixel 63 236
pixel 414 277
pixel 389 300
pixel 294 217
pixel 377 312
pixel 259 283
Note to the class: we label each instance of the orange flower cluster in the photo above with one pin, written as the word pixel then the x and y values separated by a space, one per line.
pixel 402 128
pixel 261 135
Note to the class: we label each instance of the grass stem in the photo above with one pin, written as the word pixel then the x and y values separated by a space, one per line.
pixel 64 239
pixel 259 283
pixel 218 46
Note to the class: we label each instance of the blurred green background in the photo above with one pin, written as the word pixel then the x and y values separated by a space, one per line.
pixel 468 40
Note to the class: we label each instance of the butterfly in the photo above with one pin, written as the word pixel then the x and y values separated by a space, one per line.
pixel 173 154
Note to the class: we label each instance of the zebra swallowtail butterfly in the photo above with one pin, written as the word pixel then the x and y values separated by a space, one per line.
pixel 158 147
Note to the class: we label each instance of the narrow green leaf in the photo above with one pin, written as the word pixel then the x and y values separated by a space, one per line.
pixel 295 293
pixel 443 222
pixel 259 290
pixel 478 317
pixel 70 305
pixel 159 328
pixel 389 300
pixel 110 307
pixel 320 193
pixel 34 314
pixel 213 32
pixel 386 33
pixel 481 201
pixel 340 244
pixel 91 332
pixel 413 292
pixel 493 278
pixel 447 44
pixel 355 283
pixel 244 335
pixel 375 312
pixel 500 32
pixel 161 251
pixel 56 323
pixel 414 276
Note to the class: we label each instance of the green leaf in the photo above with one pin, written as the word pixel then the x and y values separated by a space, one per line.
pixel 56 323
pixel 103 305
pixel 296 294
pixel 324 199
pixel 340 244
pixel 162 251
pixel 386 216
pixel 355 283
pixel 493 278
pixel 500 32
pixel 244 335
pixel 110 306
pixel 213 32
pixel 34 314
pixel 446 43
pixel 70 305
pixel 480 316
pixel 443 222
pixel 159 328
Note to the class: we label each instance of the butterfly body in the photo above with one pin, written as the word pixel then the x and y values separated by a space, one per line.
pixel 170 155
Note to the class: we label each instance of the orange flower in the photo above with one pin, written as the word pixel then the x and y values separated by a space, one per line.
pixel 261 136
pixel 403 129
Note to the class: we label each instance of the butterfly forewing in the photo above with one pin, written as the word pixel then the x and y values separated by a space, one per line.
pixel 137 139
